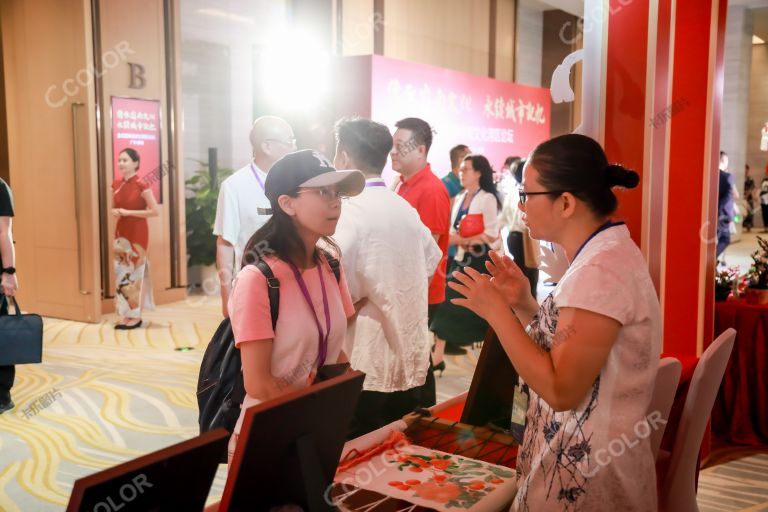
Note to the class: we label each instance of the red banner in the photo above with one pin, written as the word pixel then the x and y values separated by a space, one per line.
pixel 495 118
pixel 136 124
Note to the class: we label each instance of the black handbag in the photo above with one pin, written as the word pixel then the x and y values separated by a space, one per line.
pixel 21 338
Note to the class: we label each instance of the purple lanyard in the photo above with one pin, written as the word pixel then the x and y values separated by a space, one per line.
pixel 258 178
pixel 322 338
pixel 375 183
pixel 599 230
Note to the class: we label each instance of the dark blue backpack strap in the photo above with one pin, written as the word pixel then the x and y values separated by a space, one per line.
pixel 334 263
pixel 273 290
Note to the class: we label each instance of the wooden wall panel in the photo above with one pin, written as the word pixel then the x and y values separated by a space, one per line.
pixel 421 32
pixel 140 25
pixel 50 117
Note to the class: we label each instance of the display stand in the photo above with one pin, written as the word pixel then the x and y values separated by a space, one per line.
pixel 490 396
pixel 289 448
pixel 175 478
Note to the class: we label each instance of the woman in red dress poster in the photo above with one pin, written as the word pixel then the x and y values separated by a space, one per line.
pixel 133 203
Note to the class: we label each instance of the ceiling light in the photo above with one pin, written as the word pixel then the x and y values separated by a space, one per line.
pixel 295 71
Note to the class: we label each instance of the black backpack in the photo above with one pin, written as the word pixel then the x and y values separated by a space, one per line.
pixel 220 387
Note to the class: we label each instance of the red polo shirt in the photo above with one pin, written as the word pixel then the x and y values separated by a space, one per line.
pixel 425 192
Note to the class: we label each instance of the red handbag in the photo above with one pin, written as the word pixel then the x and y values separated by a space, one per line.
pixel 471 225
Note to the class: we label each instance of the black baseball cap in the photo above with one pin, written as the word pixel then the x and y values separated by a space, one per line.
pixel 309 168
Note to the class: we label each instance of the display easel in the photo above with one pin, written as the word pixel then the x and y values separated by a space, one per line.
pixel 490 395
pixel 289 448
pixel 175 478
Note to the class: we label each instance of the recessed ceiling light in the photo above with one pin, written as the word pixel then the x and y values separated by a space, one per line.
pixel 757 40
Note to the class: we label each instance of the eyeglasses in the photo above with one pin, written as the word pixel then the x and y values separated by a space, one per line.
pixel 291 143
pixel 329 194
pixel 524 195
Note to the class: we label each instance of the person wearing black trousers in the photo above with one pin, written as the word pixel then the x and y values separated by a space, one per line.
pixel 8 285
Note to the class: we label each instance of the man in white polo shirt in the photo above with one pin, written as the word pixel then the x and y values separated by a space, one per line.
pixel 242 206
pixel 389 257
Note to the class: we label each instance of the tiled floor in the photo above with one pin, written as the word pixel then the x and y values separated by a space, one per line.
pixel 738 253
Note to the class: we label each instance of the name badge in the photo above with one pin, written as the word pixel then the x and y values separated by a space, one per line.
pixel 264 211
pixel 519 412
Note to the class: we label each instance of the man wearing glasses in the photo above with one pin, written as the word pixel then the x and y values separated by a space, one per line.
pixel 242 206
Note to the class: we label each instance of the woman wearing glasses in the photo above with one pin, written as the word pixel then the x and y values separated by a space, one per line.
pixel 452 325
pixel 587 357
pixel 305 193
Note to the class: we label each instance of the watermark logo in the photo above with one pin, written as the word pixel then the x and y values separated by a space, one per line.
pixel 41 403
pixel 156 174
pixel 126 494
pixel 410 145
pixel 594 18
pixel 361 31
pixel 661 117
pixel 620 445
pixel 56 96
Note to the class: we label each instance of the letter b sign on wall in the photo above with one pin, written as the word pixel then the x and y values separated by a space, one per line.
pixel 137 76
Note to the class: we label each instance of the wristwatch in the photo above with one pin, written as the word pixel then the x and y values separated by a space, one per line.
pixel 9 270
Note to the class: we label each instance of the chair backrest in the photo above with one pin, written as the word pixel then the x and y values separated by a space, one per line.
pixel 664 391
pixel 678 492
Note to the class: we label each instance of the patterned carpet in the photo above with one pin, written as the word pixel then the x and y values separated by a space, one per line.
pixel 102 397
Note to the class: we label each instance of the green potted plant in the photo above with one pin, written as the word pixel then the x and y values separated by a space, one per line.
pixel 201 200
pixel 757 277
pixel 724 282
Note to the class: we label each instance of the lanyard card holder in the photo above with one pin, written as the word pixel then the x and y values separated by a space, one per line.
pixel 519 412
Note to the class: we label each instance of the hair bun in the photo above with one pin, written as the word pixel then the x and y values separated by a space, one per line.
pixel 617 175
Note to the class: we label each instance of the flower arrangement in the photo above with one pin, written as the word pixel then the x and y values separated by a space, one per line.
pixel 725 278
pixel 724 282
pixel 757 277
pixel 758 273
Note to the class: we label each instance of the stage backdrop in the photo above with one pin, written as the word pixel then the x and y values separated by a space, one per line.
pixel 494 118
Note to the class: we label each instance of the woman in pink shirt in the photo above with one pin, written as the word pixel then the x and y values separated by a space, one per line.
pixel 305 192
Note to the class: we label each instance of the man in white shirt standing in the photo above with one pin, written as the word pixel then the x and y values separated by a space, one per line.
pixel 389 257
pixel 242 206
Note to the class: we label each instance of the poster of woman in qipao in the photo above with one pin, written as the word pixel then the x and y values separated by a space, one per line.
pixel 136 124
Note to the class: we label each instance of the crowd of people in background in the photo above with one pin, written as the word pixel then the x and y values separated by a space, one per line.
pixel 326 264
pixel 728 208
pixel 397 246
pixel 396 275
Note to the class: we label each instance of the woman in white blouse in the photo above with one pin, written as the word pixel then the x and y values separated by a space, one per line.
pixel 588 357
pixel 451 324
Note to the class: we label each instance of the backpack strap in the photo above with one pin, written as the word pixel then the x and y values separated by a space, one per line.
pixel 335 267
pixel 273 284
pixel 334 263
pixel 273 290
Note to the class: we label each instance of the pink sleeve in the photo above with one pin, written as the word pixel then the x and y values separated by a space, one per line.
pixel 249 307
pixel 346 299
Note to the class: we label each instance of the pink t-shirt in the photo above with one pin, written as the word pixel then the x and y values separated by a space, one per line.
pixel 295 338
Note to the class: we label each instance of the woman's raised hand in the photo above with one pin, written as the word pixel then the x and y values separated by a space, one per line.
pixel 480 296
pixel 509 280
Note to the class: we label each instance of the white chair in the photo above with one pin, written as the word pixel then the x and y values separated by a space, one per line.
pixel 678 491
pixel 664 391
